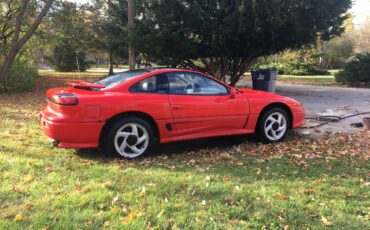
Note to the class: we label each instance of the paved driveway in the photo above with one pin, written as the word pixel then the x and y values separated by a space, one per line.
pixel 320 101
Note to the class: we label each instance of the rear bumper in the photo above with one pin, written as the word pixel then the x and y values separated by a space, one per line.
pixel 72 135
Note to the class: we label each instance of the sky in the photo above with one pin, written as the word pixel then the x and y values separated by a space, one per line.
pixel 360 9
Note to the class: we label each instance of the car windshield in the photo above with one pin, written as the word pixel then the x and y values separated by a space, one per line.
pixel 113 80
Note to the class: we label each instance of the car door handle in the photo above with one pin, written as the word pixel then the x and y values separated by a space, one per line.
pixel 177 107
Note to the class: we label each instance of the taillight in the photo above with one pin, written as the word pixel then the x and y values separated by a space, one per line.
pixel 65 99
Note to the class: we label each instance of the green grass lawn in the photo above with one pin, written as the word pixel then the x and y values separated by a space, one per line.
pixel 222 183
pixel 324 80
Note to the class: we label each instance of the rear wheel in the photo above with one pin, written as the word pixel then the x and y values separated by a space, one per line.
pixel 273 125
pixel 130 137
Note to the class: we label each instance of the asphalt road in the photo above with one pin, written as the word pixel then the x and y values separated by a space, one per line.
pixel 333 101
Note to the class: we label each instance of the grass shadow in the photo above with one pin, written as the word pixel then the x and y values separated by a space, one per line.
pixel 175 148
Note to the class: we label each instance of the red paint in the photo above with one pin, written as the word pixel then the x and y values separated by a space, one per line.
pixel 190 116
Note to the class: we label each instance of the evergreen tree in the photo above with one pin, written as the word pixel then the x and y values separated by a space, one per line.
pixel 225 37
pixel 66 58
pixel 70 35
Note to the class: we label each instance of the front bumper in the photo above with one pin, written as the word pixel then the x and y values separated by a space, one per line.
pixel 298 117
pixel 72 135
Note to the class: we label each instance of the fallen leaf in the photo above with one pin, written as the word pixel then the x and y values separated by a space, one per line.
pixel 16 189
pixel 106 223
pixel 143 191
pixel 115 199
pixel 106 184
pixel 18 218
pixel 257 170
pixel 49 169
pixel 171 223
pixel 152 184
pixel 367 184
pixel 78 187
pixel 326 222
pixel 28 206
pixel 281 197
pixel 126 210
pixel 160 214
pixel 114 210
pixel 28 178
pixel 124 220
pixel 364 217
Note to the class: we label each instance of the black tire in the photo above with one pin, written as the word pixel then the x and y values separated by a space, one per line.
pixel 262 122
pixel 109 145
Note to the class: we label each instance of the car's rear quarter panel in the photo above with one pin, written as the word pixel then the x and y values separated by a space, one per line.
pixel 154 105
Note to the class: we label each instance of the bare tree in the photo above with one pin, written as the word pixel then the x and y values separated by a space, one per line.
pixel 13 22
pixel 363 37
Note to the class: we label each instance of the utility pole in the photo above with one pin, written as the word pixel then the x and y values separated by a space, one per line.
pixel 131 25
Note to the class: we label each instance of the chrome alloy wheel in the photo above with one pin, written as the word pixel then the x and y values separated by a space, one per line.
pixel 275 126
pixel 131 140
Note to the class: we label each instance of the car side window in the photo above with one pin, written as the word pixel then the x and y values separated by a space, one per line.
pixel 194 84
pixel 155 84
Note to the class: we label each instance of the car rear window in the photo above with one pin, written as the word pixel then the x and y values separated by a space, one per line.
pixel 113 80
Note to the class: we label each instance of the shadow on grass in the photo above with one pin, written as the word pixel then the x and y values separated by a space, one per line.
pixel 175 148
pixel 223 143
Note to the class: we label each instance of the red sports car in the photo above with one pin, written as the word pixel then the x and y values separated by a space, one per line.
pixel 129 112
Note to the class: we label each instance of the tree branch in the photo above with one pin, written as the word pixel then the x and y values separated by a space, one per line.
pixel 18 23
pixel 18 43
pixel 36 23
pixel 8 16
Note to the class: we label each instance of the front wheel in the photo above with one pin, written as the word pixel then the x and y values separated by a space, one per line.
pixel 273 125
pixel 130 137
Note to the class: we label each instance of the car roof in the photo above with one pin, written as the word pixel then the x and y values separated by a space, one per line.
pixel 163 69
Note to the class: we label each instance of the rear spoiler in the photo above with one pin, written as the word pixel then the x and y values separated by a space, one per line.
pixel 84 85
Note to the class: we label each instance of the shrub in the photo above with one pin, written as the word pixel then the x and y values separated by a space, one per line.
pixel 295 62
pixel 21 78
pixel 338 50
pixel 357 70
pixel 296 68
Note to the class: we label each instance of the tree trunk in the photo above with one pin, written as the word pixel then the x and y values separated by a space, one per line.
pixel 131 24
pixel 241 65
pixel 110 64
pixel 17 43
pixel 226 69
pixel 7 64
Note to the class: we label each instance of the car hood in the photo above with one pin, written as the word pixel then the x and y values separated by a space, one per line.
pixel 249 92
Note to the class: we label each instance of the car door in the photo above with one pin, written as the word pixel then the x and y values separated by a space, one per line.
pixel 202 105
pixel 150 96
